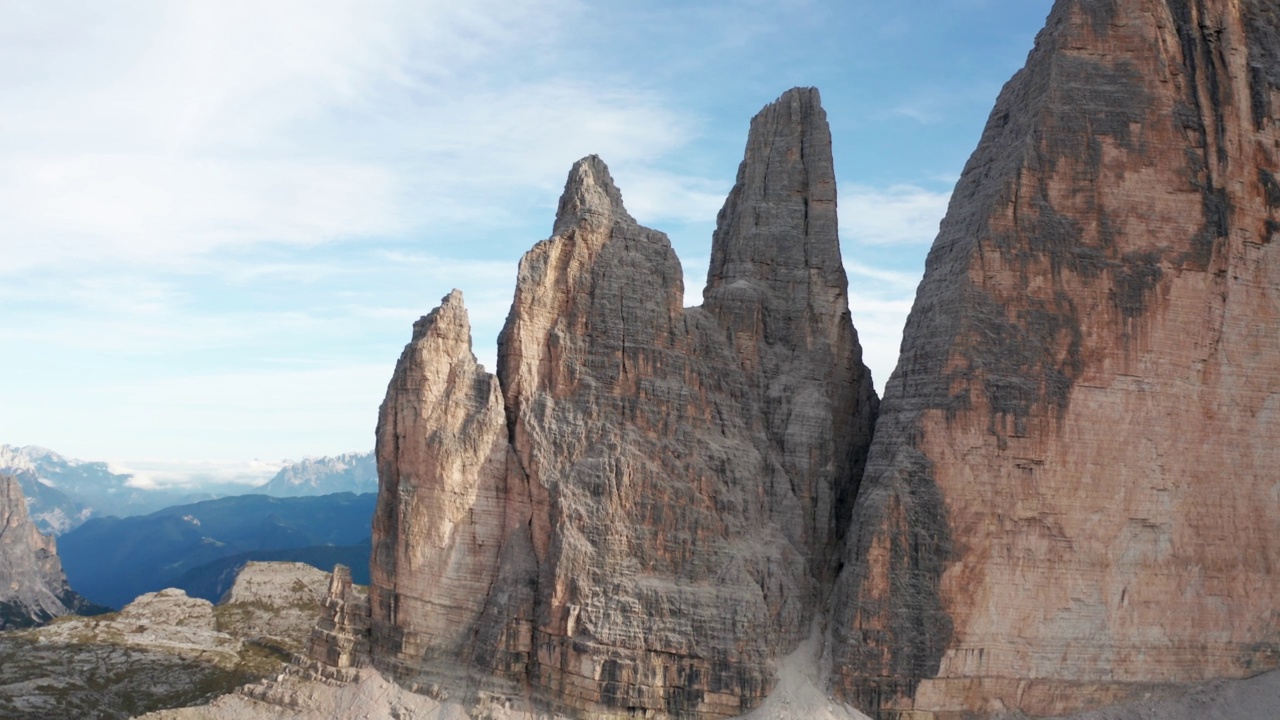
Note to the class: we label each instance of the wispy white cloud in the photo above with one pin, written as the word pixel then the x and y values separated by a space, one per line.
pixel 879 322
pixel 157 209
pixel 655 197
pixel 879 300
pixel 894 280
pixel 923 112
pixel 221 219
pixel 162 331
pixel 291 412
pixel 208 126
pixel 167 473
pixel 899 214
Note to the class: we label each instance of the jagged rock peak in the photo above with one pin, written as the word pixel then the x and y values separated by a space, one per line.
pixel 589 195
pixel 448 321
pixel 779 223
pixel 441 448
pixel 777 283
pixel 538 534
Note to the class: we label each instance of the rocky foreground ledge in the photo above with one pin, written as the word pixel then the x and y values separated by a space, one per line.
pixel 162 650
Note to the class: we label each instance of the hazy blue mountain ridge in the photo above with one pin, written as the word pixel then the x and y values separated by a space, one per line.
pixel 112 560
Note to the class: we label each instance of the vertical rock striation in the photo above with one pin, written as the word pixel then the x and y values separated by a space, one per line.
pixel 777 284
pixel 639 513
pixel 33 588
pixel 1071 495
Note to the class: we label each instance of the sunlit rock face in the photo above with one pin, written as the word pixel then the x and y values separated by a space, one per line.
pixel 1072 493
pixel 644 508
pixel 33 588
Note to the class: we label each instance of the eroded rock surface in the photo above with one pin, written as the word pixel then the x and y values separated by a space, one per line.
pixel 275 604
pixel 317 692
pixel 163 650
pixel 33 588
pixel 1072 494
pixel 641 511
pixel 340 637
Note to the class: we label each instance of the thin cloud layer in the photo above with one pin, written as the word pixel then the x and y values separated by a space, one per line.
pixel 182 474
pixel 897 215
pixel 207 126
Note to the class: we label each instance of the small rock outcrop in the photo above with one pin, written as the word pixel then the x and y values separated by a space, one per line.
pixel 33 588
pixel 1071 497
pixel 340 638
pixel 275 603
pixel 642 510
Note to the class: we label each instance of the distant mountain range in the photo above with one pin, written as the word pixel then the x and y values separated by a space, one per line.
pixel 113 560
pixel 62 493
pixel 349 472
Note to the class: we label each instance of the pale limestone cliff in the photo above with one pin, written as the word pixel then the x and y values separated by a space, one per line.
pixel 439 523
pixel 1072 494
pixel 274 604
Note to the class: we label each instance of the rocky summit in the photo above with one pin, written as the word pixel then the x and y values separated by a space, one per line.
pixel 33 588
pixel 640 511
pixel 1071 499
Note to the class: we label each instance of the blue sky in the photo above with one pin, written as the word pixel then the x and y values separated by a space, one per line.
pixel 218 221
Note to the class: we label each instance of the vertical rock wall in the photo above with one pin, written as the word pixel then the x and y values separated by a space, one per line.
pixel 776 282
pixel 1072 493
pixel 440 520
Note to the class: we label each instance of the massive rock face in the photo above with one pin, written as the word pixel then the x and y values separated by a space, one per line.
pixel 641 511
pixel 1072 493
pixel 33 588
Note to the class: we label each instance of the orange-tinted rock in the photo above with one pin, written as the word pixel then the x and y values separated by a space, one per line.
pixel 640 513
pixel 1072 493
pixel 438 526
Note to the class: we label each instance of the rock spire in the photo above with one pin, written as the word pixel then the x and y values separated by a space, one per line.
pixel 639 512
